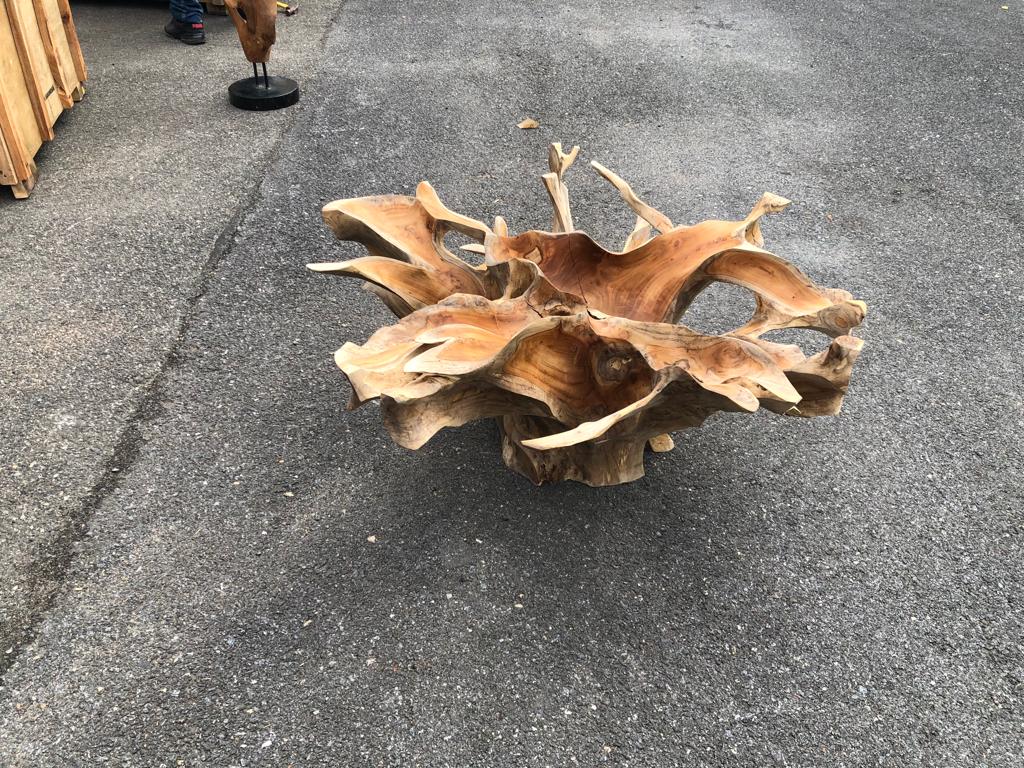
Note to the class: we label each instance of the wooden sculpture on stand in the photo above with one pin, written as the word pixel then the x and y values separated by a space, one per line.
pixel 256 23
pixel 576 350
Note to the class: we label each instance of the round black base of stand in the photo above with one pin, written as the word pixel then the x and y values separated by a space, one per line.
pixel 257 93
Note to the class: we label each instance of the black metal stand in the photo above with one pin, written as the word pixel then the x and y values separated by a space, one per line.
pixel 263 93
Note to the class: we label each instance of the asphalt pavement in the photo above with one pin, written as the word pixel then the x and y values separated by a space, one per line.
pixel 139 194
pixel 253 576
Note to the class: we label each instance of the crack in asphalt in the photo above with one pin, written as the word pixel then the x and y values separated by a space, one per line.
pixel 54 564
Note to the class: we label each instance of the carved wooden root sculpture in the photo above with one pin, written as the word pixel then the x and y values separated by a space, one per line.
pixel 575 350
pixel 256 23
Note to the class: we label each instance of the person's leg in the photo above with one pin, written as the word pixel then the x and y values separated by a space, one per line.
pixel 190 11
pixel 186 22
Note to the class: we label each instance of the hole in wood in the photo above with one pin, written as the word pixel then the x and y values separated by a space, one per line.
pixel 719 308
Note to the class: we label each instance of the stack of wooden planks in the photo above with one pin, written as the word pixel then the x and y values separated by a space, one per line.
pixel 42 73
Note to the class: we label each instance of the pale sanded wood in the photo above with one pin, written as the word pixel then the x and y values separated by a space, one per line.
pixel 573 349
pixel 558 163
pixel 655 218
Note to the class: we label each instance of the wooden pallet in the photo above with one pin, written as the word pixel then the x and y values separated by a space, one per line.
pixel 42 73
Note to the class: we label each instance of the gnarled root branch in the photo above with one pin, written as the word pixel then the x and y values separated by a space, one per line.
pixel 576 350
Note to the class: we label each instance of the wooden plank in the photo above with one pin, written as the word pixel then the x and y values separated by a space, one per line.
pixel 58 51
pixel 43 72
pixel 22 189
pixel 41 66
pixel 45 44
pixel 71 33
pixel 37 67
pixel 26 33
pixel 19 128
pixel 14 147
pixel 7 175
